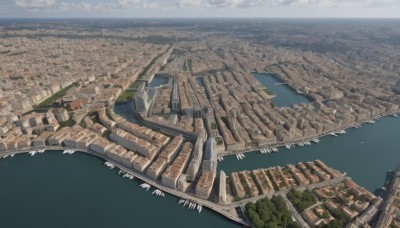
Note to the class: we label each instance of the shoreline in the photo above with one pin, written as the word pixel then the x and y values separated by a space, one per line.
pixel 302 140
pixel 228 210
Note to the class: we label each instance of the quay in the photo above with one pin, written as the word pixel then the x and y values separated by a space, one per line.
pixel 229 211
pixel 302 140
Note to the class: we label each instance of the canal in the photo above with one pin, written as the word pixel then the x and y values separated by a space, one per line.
pixel 159 80
pixel 285 95
pixel 365 153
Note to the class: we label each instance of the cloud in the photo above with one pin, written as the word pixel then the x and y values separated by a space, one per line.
pixel 81 6
pixel 34 4
pixel 190 3
pixel 153 5
pixel 256 3
pixel 126 2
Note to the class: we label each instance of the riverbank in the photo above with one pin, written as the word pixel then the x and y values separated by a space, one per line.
pixel 78 190
pixel 225 210
pixel 305 139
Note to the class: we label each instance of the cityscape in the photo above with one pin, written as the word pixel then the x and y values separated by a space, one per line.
pixel 233 119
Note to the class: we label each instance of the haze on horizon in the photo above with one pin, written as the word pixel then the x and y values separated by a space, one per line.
pixel 200 8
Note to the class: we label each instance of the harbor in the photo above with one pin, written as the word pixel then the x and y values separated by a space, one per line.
pixel 346 152
pixel 93 194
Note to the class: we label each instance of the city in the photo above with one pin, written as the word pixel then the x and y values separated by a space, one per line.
pixel 190 98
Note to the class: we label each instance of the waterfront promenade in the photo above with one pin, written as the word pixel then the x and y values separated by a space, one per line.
pixel 302 140
pixel 227 210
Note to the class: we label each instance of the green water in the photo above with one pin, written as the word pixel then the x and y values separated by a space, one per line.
pixel 56 190
pixel 365 153
pixel 285 96
pixel 159 80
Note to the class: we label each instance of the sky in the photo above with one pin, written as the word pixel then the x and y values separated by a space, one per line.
pixel 199 8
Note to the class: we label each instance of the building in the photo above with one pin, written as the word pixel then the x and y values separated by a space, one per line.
pixel 210 156
pixel 205 184
pixel 222 199
pixel 62 115
pixel 175 105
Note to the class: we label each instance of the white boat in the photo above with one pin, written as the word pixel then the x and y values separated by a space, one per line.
pixel 32 152
pixel 108 164
pixel 287 147
pixel 12 155
pixel 186 202
pixel 315 141
pixel 181 201
pixel 201 207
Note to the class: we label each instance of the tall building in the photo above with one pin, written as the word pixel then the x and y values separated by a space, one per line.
pixel 175 96
pixel 210 156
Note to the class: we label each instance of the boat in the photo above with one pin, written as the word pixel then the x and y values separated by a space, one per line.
pixel 32 152
pixel 287 147
pixel 181 201
pixel 315 140
pixel 108 164
pixel 12 155
pixel 186 202
pixel 201 207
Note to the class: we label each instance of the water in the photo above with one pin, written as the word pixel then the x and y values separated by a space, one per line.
pixel 159 80
pixel 365 162
pixel 125 110
pixel 55 190
pixel 285 95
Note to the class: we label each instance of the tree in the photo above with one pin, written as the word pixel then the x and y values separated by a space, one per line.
pixel 257 222
pixel 250 205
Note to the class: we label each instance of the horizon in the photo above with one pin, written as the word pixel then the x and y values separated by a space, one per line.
pixel 200 9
